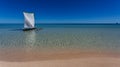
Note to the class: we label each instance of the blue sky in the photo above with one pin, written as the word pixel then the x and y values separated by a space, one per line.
pixel 61 11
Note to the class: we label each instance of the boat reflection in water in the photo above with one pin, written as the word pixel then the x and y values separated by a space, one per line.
pixel 30 39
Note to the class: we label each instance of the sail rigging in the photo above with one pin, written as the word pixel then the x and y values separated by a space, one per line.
pixel 29 20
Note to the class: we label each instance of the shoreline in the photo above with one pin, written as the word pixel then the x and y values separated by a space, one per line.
pixel 32 55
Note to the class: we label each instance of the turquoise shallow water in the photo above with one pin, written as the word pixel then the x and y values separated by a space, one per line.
pixel 83 37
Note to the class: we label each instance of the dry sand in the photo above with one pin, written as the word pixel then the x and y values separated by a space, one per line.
pixel 59 59
pixel 80 62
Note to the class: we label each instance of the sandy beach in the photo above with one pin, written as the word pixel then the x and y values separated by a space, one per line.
pixel 68 58
pixel 80 62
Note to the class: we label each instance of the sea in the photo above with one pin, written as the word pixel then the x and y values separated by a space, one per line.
pixel 98 37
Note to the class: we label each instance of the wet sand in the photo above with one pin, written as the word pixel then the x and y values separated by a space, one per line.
pixel 64 58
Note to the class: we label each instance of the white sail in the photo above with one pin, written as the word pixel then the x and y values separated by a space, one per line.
pixel 29 20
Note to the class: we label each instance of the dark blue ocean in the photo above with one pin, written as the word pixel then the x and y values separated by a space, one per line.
pixel 20 26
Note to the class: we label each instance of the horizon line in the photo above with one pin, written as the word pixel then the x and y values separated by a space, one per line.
pixel 68 23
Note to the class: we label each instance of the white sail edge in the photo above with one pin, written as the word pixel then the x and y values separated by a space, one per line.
pixel 29 20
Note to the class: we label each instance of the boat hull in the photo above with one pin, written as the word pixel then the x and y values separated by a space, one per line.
pixel 28 29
